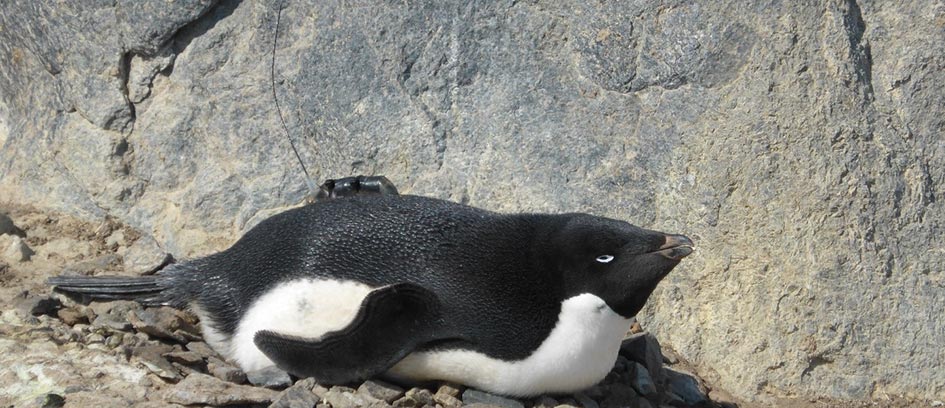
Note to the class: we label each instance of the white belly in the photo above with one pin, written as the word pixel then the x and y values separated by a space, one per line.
pixel 305 308
pixel 579 352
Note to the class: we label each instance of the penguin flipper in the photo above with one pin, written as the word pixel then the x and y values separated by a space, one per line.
pixel 393 321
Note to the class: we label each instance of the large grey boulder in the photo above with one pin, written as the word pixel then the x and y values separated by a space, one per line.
pixel 799 144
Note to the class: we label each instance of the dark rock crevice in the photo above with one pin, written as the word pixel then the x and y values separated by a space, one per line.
pixel 859 47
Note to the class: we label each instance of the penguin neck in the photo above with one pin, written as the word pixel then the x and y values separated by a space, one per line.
pixel 543 253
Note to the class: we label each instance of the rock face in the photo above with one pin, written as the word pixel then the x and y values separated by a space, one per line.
pixel 799 144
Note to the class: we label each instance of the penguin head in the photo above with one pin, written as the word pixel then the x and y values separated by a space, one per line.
pixel 614 260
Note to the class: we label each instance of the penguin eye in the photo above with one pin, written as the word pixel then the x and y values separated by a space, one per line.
pixel 604 258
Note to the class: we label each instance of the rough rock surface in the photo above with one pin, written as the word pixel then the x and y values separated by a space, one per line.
pixel 799 144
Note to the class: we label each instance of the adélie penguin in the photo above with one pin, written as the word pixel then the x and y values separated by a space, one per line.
pixel 412 289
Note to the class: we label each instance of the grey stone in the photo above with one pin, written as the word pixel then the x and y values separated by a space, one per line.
pixel 97 399
pixel 473 396
pixel 545 402
pixel 14 249
pixel 165 323
pixel 145 256
pixel 415 398
pixel 586 401
pixel 320 391
pixel 453 390
pixel 799 144
pixel 151 358
pixel 224 371
pixel 72 316
pixel 113 322
pixel 92 266
pixel 206 390
pixel 38 305
pixel 155 404
pixel 621 395
pixel 595 392
pixel 340 397
pixel 381 390
pixel 299 395
pixel 269 377
pixel 49 400
pixel 447 401
pixel 185 357
pixel 686 387
pixel 643 348
pixel 112 315
pixel 201 348
pixel 642 382
pixel 7 227
pixel 114 340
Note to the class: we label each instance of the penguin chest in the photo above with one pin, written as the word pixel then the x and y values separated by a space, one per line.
pixel 578 353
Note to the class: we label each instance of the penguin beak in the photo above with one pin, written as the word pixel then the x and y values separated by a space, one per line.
pixel 676 247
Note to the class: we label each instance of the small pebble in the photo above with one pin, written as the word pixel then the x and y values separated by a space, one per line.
pixel 447 401
pixel 14 249
pixel 645 349
pixel 50 401
pixel 7 227
pixel 381 390
pixel 299 395
pixel 113 340
pixel 448 395
pixel 452 390
pixel 35 305
pixel 202 389
pixel 145 257
pixel 163 323
pixel 219 369
pixel 686 387
pixel 344 397
pixel 320 391
pixel 72 316
pixel 185 357
pixel 620 395
pixel 201 348
pixel 90 267
pixel 112 315
pixel 472 396
pixel 151 358
pixel 642 381
pixel 95 338
pixel 586 401
pixel 422 396
pixel 269 377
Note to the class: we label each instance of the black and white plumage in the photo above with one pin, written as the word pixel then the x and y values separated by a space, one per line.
pixel 415 289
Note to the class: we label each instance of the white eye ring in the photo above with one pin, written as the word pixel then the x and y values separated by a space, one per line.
pixel 604 258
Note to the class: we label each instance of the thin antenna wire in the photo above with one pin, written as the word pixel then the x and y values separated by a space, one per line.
pixel 272 77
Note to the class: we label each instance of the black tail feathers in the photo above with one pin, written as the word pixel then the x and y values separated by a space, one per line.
pixel 147 290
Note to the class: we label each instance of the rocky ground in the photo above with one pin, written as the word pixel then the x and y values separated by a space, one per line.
pixel 56 352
